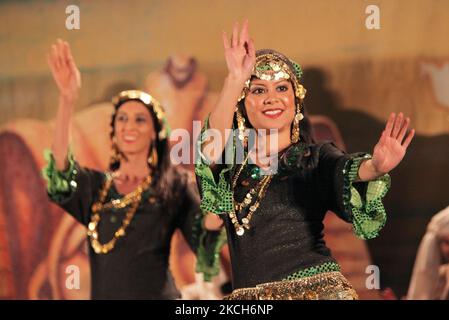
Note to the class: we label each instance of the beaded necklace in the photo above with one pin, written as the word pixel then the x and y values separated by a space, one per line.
pixel 259 191
pixel 131 199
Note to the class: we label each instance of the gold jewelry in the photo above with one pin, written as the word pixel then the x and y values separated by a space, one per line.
pixel 153 158
pixel 323 286
pixel 259 190
pixel 133 199
pixel 273 66
pixel 295 130
pixel 300 92
pixel 151 103
pixel 241 126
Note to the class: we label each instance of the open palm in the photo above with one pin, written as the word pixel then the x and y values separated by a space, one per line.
pixel 393 143
pixel 239 52
pixel 64 71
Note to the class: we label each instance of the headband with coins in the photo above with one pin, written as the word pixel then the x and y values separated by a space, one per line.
pixel 150 102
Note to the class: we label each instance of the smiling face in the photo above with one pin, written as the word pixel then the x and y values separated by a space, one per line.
pixel 134 128
pixel 270 104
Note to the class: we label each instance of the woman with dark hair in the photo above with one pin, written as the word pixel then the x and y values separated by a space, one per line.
pixel 131 211
pixel 273 210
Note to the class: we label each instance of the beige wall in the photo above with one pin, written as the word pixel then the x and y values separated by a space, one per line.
pixel 374 71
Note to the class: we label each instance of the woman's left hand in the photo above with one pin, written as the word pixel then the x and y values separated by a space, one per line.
pixel 391 148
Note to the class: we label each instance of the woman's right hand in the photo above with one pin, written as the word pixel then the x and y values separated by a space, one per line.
pixel 64 70
pixel 239 53
pixel 240 58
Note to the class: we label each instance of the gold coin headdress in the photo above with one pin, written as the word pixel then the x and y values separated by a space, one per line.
pixel 151 103
pixel 273 66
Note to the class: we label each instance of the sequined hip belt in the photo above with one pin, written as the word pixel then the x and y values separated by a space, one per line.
pixel 323 286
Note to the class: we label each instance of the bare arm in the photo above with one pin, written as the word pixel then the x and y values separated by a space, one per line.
pixel 240 58
pixel 68 79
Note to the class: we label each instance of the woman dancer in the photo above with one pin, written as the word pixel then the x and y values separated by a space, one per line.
pixel 131 211
pixel 274 215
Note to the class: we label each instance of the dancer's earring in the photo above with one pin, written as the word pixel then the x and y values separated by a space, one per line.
pixel 153 158
pixel 295 129
pixel 241 126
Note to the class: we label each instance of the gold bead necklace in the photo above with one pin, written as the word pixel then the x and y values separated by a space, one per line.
pixel 133 199
pixel 259 190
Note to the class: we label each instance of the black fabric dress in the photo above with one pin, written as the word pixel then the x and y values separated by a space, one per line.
pixel 286 239
pixel 286 231
pixel 138 266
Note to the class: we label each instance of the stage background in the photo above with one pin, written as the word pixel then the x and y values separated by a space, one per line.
pixel 353 75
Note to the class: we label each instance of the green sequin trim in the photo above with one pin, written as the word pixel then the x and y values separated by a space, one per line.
pixel 216 197
pixel 368 212
pixel 59 182
pixel 208 257
pixel 312 271
pixel 298 69
pixel 207 245
pixel 167 127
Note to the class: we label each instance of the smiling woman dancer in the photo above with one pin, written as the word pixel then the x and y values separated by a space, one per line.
pixel 274 219
pixel 131 211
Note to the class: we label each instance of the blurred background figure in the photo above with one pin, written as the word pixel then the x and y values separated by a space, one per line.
pixel 430 279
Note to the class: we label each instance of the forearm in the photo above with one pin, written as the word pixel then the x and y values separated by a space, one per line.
pixel 368 172
pixel 62 131
pixel 221 117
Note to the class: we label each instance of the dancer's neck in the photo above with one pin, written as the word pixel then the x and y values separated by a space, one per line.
pixel 134 168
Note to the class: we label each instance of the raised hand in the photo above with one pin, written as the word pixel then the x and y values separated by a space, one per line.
pixel 391 148
pixel 239 52
pixel 64 71
pixel 240 58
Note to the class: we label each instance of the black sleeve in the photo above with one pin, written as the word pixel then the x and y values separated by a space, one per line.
pixel 332 170
pixel 189 212
pixel 84 192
